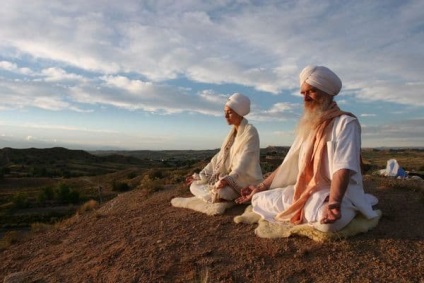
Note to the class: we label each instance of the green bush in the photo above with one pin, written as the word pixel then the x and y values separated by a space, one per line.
pixel 20 200
pixel 46 194
pixel 39 172
pixel 120 186
pixel 151 185
pixel 132 175
pixel 73 197
pixel 65 194
pixel 156 174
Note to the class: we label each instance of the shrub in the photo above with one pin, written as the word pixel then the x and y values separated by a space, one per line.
pixel 41 198
pixel 46 194
pixel 120 186
pixel 40 227
pixel 132 175
pixel 73 197
pixel 156 174
pixel 20 200
pixel 39 172
pixel 64 194
pixel 87 207
pixel 152 185
pixel 5 170
pixel 11 238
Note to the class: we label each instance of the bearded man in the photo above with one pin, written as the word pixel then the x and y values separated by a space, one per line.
pixel 319 181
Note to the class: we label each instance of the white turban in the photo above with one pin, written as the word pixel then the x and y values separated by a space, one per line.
pixel 239 103
pixel 322 78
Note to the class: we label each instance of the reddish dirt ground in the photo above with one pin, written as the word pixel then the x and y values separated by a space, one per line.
pixel 135 238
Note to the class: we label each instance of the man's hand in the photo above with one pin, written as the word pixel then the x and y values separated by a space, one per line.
pixel 332 214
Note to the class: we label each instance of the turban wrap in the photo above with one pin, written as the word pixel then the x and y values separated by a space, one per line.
pixel 239 103
pixel 322 78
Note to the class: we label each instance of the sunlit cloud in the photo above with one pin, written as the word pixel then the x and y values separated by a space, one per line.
pixel 184 59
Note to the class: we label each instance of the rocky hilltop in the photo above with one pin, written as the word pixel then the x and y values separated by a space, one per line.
pixel 139 237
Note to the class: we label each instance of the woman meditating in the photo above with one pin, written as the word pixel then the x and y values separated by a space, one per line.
pixel 236 165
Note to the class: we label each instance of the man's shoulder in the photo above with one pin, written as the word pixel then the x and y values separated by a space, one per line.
pixel 346 118
pixel 345 122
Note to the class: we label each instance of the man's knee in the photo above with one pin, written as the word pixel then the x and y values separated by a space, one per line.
pixel 338 225
pixel 333 227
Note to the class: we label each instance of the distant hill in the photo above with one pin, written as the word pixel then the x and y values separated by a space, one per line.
pixel 51 155
pixel 35 155
pixel 161 154
pixel 62 162
pixel 59 161
pixel 205 154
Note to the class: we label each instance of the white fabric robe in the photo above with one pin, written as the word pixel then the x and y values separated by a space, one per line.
pixel 343 152
pixel 243 162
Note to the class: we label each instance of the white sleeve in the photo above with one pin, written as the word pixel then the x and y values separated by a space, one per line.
pixel 347 150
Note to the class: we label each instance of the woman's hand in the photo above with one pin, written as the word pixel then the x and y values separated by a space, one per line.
pixel 247 194
pixel 189 180
pixel 222 183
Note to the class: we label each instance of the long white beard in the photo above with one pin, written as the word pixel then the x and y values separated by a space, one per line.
pixel 311 116
pixel 308 121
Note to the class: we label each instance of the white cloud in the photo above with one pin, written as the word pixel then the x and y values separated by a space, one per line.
pixel 132 86
pixel 401 133
pixel 57 74
pixel 8 66
pixel 397 93
pixel 259 46
pixel 278 112
pixel 12 67
pixel 181 57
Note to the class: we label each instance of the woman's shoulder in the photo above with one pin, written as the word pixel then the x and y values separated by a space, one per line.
pixel 248 127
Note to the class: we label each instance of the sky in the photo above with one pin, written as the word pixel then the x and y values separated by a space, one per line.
pixel 155 74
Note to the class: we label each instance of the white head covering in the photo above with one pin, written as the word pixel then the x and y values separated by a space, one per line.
pixel 239 103
pixel 321 78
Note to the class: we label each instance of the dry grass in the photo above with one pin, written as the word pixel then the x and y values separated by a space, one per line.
pixel 133 235
pixel 202 276
pixel 409 159
pixel 399 184
pixel 40 227
pixel 11 238
pixel 87 207
pixel 141 239
pixel 14 237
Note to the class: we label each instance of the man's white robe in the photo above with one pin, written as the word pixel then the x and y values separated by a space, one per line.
pixel 342 152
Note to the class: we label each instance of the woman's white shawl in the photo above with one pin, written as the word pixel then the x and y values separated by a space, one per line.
pixel 243 162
